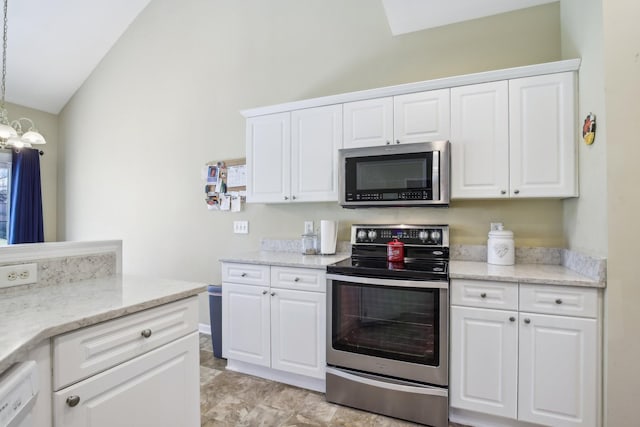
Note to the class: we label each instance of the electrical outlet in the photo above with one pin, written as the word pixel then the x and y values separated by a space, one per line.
pixel 241 227
pixel 19 274
pixel 308 227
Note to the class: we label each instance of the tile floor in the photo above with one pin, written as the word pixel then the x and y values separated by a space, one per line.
pixel 232 399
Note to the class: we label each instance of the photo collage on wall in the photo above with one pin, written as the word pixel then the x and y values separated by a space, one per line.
pixel 225 184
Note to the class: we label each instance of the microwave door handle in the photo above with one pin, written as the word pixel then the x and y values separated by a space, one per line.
pixel 435 176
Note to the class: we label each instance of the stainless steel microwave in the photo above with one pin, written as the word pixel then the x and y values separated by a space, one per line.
pixel 395 175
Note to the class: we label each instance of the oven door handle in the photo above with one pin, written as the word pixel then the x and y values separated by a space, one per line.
pixel 425 284
pixel 422 389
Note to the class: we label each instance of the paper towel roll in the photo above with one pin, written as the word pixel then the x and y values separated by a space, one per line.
pixel 328 236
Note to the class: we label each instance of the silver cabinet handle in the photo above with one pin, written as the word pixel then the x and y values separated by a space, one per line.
pixel 73 400
pixel 483 295
pixel 558 301
pixel 503 191
pixel 265 292
pixel 146 333
pixel 516 191
pixel 243 275
pixel 527 321
pixel 273 294
pixel 512 319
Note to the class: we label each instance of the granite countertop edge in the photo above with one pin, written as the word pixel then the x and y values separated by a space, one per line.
pixel 287 259
pixel 16 350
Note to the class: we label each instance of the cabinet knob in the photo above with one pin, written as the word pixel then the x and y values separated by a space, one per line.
pixel 503 191
pixel 293 197
pixel 558 301
pixel 483 295
pixel 146 333
pixel 243 275
pixel 516 191
pixel 286 197
pixel 527 321
pixel 73 400
pixel 512 319
pixel 297 279
pixel 265 292
pixel 397 141
pixel 273 294
pixel 388 142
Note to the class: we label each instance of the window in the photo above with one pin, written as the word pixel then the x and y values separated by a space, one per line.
pixel 5 186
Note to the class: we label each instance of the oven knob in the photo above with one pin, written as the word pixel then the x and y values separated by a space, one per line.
pixel 372 234
pixel 423 235
pixel 435 236
pixel 361 235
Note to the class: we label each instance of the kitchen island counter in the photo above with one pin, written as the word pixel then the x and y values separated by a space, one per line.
pixel 522 273
pixel 30 314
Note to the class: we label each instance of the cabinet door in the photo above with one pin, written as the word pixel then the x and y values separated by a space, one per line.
pixel 558 370
pixel 542 136
pixel 421 116
pixel 298 332
pixel 484 360
pixel 368 123
pixel 480 141
pixel 245 323
pixel 315 139
pixel 157 389
pixel 269 158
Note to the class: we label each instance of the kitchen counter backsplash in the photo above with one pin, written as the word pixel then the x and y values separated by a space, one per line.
pixel 593 267
pixel 288 245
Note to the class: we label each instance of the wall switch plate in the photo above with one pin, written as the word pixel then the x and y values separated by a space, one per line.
pixel 241 227
pixel 19 274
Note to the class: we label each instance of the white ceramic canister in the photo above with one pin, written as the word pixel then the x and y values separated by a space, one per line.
pixel 500 247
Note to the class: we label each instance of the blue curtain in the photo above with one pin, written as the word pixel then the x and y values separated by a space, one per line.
pixel 25 205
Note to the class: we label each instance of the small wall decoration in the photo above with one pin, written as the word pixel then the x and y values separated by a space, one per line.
pixel 589 129
pixel 225 184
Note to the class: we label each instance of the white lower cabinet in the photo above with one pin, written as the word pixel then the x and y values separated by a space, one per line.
pixel 521 365
pixel 275 325
pixel 151 377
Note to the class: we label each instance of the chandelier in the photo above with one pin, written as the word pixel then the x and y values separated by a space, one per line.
pixel 21 132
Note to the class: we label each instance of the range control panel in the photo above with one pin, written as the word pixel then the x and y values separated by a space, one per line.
pixel 417 235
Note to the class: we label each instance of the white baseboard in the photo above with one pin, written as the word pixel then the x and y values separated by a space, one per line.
pixel 203 328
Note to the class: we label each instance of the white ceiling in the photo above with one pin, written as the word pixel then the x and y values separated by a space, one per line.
pixel 406 16
pixel 54 45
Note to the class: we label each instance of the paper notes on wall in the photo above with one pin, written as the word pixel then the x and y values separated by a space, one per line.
pixel 225 184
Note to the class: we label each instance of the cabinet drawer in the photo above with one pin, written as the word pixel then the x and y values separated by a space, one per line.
pixel 561 300
pixel 85 352
pixel 307 279
pixel 485 294
pixel 249 274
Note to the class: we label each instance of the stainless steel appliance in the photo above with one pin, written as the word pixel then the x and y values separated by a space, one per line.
pixel 387 324
pixel 395 175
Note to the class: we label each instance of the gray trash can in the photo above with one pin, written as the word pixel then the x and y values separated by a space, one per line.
pixel 215 316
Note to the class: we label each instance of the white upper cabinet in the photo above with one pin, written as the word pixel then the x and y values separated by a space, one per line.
pixel 480 140
pixel 269 158
pixel 514 138
pixel 368 123
pixel 414 117
pixel 292 156
pixel 542 135
pixel 421 117
pixel 315 139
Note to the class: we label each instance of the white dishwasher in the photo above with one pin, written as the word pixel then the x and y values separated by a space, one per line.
pixel 18 391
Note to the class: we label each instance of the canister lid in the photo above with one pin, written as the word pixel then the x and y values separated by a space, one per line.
pixel 505 234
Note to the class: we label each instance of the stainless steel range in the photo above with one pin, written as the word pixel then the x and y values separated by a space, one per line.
pixel 387 324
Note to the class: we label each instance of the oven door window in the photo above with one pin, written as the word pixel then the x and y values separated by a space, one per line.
pixel 388 322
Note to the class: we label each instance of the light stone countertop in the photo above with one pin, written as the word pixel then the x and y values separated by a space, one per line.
pixel 30 314
pixel 287 259
pixel 523 273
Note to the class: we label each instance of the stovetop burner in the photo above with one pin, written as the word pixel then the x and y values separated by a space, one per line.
pixel 426 252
